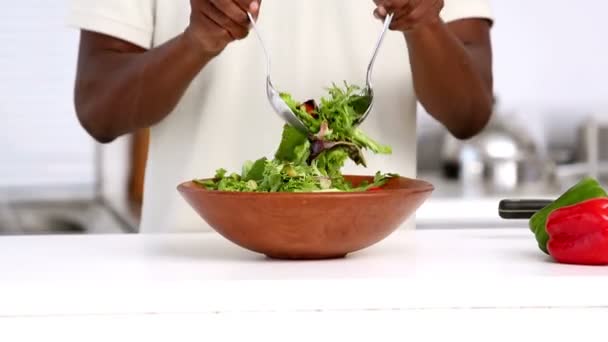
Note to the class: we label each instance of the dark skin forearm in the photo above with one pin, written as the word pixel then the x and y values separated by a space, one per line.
pixel 451 63
pixel 121 87
pixel 451 68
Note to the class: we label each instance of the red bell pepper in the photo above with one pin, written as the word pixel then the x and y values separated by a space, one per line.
pixel 578 234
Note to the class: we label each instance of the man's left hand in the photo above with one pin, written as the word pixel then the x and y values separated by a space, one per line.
pixel 409 14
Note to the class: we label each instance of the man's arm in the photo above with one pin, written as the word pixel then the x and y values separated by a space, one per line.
pixel 451 63
pixel 121 87
pixel 452 73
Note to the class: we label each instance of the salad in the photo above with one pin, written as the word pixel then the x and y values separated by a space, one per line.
pixel 311 163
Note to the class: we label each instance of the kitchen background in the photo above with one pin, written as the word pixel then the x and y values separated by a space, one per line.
pixel 550 64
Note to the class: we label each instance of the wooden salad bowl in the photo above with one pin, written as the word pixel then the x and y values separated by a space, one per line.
pixel 308 226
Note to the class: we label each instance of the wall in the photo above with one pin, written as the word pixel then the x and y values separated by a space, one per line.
pixel 552 60
pixel 41 143
pixel 550 66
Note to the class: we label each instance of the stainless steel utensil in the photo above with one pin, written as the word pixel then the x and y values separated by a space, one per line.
pixel 369 89
pixel 274 97
pixel 502 158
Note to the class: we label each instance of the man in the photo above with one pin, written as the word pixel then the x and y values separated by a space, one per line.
pixel 186 70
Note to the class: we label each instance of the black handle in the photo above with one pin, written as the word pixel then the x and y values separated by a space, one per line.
pixel 520 209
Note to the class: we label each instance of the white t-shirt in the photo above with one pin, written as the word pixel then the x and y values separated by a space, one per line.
pixel 224 117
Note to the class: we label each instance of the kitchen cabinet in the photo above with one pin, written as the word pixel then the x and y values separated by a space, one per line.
pixel 470 283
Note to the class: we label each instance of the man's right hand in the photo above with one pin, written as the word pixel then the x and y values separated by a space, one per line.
pixel 141 86
pixel 216 23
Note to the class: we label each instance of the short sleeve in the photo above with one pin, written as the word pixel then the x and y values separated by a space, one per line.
pixel 129 20
pixel 464 9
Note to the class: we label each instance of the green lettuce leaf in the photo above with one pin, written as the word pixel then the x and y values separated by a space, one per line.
pixel 294 146
pixel 256 171
pixel 363 140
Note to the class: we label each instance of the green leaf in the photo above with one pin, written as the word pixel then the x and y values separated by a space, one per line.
pixel 220 173
pixel 330 162
pixel 360 103
pixel 363 140
pixel 251 185
pixel 256 171
pixel 380 179
pixel 246 168
pixel 354 152
pixel 301 153
pixel 297 108
pixel 290 149
pixel 207 184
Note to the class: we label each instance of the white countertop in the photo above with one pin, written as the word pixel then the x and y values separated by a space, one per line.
pixel 188 278
pixel 205 273
pixel 454 213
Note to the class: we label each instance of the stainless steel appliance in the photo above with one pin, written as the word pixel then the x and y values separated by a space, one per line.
pixel 499 159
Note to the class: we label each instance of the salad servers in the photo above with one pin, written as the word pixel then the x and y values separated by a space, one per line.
pixel 274 97
pixel 283 110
